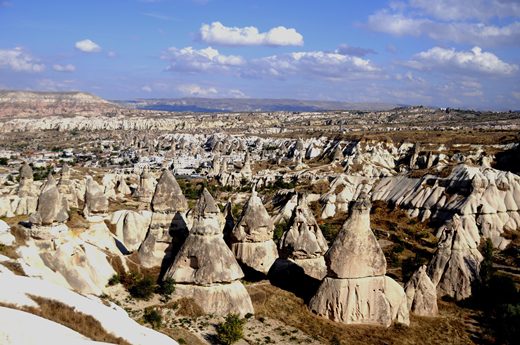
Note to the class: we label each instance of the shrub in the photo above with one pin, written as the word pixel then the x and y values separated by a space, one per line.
pixel 166 288
pixel 279 229
pixel 152 317
pixel 143 288
pixel 231 330
pixel 115 279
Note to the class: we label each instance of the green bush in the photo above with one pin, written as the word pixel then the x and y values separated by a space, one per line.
pixel 231 330
pixel 279 229
pixel 143 288
pixel 115 279
pixel 152 317
pixel 166 288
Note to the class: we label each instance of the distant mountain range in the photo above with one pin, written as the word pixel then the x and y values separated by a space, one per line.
pixel 39 104
pixel 248 105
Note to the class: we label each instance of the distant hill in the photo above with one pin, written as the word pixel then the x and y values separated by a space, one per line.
pixel 39 104
pixel 249 104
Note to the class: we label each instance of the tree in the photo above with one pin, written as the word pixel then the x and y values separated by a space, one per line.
pixel 231 330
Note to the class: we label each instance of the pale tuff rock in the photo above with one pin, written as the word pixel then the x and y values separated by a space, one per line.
pixel 84 267
pixel 131 227
pixel 26 187
pixel 168 228
pixel 252 237
pixel 206 267
pixel 421 294
pixel 68 188
pixel 146 188
pixel 356 290
pixel 51 206
pixel 122 189
pixel 96 201
pixel 168 195
pixel 20 291
pixel 456 263
pixel 490 197
pixel 304 241
pixel 356 253
pixel 343 189
pixel 6 238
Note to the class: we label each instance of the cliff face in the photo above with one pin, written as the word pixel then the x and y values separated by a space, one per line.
pixel 39 104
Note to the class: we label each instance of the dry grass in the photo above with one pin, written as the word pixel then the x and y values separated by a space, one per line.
pixel 453 326
pixel 182 335
pixel 186 307
pixel 14 267
pixel 68 317
pixel 9 251
pixel 76 220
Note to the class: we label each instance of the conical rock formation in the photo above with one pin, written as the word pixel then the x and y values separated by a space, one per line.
pixel 168 228
pixel 456 263
pixel 252 237
pixel 205 267
pixel 304 243
pixel 51 206
pixel 421 294
pixel 356 290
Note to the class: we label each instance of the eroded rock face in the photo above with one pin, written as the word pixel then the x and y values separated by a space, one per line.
pixel 168 227
pixel 252 237
pixel 206 267
pixel 131 227
pixel 168 195
pixel 146 188
pixel 96 201
pixel 356 290
pixel 456 263
pixel 26 187
pixel 51 206
pixel 304 243
pixel 421 294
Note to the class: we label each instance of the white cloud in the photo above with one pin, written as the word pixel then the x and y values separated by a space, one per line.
pixel 317 63
pixel 88 46
pixel 468 9
pixel 20 61
pixel 146 88
pixel 64 68
pixel 196 90
pixel 474 60
pixel 461 32
pixel 217 33
pixel 197 60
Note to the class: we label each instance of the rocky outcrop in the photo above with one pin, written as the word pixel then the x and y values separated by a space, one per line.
pixel 131 227
pixel 456 263
pixel 68 188
pixel 168 227
pixel 252 237
pixel 356 290
pixel 96 201
pixel 51 206
pixel 26 188
pixel 303 242
pixel 421 294
pixel 206 268
pixel 146 188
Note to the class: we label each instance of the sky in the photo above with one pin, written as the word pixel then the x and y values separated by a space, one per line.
pixel 456 53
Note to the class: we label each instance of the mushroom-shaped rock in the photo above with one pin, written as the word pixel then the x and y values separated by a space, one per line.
pixel 206 268
pixel 51 206
pixel 456 263
pixel 356 290
pixel 252 237
pixel 421 294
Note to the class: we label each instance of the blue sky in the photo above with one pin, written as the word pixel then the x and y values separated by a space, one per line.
pixel 459 53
